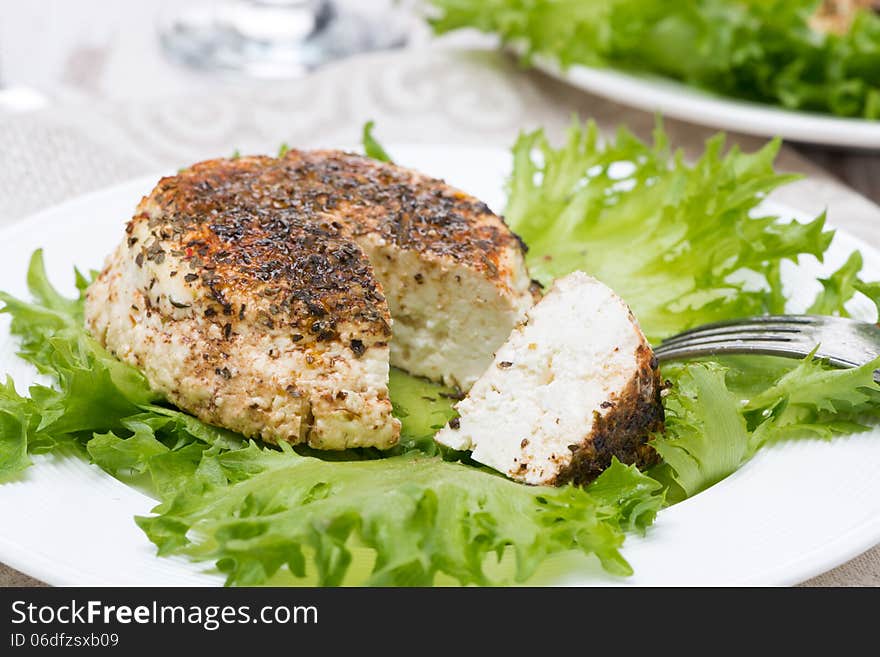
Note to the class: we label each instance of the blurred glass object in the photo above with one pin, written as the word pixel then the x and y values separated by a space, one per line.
pixel 277 38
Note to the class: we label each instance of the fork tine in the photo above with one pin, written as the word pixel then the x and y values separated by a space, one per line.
pixel 843 342
pixel 745 337
pixel 768 348
pixel 794 321
pixel 734 331
pixel 764 347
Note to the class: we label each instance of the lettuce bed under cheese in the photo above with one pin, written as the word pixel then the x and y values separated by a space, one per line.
pixel 674 239
pixel 760 50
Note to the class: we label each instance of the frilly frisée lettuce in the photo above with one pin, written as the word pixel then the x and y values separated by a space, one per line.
pixel 676 240
pixel 672 238
pixel 760 50
pixel 253 509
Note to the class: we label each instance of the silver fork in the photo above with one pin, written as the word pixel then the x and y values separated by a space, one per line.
pixel 842 342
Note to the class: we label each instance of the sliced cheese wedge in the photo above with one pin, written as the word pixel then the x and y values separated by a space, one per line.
pixel 575 384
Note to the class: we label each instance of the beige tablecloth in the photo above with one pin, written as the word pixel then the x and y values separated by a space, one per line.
pixel 428 96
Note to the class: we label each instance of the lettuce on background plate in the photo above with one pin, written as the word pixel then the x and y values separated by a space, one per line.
pixel 760 50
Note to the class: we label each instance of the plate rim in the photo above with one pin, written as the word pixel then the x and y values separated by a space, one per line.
pixel 677 100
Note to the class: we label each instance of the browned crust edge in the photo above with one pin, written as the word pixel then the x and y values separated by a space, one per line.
pixel 623 431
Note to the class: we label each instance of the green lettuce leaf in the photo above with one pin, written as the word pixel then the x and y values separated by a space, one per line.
pixel 759 50
pixel 817 401
pixel 680 242
pixel 684 244
pixel 636 497
pixel 54 340
pixel 260 513
pixel 119 455
pixel 418 514
pixel 841 286
pixel 720 413
pixel 94 391
pixel 706 437
pixel 254 509
pixel 373 148
pixel 16 424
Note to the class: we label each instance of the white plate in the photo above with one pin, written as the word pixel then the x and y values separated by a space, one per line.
pixel 677 100
pixel 794 511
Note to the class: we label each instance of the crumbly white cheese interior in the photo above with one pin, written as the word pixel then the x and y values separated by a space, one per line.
pixel 447 319
pixel 576 349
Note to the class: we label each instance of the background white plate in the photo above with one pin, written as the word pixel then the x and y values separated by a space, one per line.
pixel 677 100
pixel 794 511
